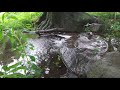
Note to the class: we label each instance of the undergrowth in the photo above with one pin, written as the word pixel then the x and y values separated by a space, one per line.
pixel 11 26
pixel 112 19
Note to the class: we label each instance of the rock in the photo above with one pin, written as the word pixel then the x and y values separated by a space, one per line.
pixel 85 51
pixel 115 42
pixel 107 67
pixel 113 58
pixel 95 27
pixel 69 75
pixel 98 29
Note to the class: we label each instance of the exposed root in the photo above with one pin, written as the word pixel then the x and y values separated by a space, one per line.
pixel 47 23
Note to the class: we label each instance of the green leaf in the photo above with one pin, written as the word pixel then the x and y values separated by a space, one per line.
pixel 20 48
pixel 1 73
pixel 12 17
pixel 23 55
pixel 22 67
pixel 15 75
pixel 31 46
pixel 24 38
pixel 12 31
pixel 34 67
pixel 18 68
pixel 14 65
pixel 12 40
pixel 5 68
pixel 3 17
pixel 32 58
pixel 1 35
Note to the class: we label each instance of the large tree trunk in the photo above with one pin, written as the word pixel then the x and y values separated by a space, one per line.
pixel 70 21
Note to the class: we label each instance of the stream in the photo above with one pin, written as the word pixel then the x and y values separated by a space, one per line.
pixel 62 54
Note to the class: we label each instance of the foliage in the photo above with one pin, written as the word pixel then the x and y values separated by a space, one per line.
pixel 21 70
pixel 106 15
pixel 112 19
pixel 11 26
pixel 18 20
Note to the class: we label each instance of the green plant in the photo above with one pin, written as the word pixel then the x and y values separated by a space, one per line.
pixel 19 45
pixel 11 26
pixel 115 26
pixel 87 29
pixel 112 19
pixel 18 20
pixel 106 15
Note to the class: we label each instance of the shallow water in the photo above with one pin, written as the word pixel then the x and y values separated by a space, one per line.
pixel 40 51
pixel 54 52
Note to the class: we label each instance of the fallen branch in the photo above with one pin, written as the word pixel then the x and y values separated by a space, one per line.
pixel 49 31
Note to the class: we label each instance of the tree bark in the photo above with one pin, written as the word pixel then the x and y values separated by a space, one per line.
pixel 70 21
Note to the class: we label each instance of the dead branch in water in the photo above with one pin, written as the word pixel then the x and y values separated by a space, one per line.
pixel 49 31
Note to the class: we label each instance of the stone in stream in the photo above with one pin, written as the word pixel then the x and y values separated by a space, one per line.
pixel 107 67
pixel 115 42
pixel 83 52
